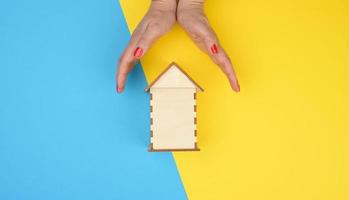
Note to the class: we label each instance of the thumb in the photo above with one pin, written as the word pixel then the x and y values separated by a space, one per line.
pixel 150 35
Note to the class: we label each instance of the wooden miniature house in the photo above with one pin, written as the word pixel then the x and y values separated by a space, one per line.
pixel 173 111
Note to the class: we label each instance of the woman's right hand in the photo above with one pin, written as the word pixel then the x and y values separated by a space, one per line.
pixel 159 19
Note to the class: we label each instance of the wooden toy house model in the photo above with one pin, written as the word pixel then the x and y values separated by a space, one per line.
pixel 173 111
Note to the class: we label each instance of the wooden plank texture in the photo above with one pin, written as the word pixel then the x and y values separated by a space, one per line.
pixel 173 118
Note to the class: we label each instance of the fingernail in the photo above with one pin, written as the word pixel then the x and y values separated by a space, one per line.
pixel 237 83
pixel 138 52
pixel 214 49
pixel 119 89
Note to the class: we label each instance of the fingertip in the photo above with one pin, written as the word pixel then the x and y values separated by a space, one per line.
pixel 236 87
pixel 120 85
pixel 119 89
pixel 234 84
pixel 121 82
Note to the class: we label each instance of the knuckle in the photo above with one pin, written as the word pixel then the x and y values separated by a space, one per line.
pixel 124 70
pixel 195 36
pixel 220 61
pixel 195 33
pixel 121 60
pixel 210 38
pixel 154 26
pixel 196 27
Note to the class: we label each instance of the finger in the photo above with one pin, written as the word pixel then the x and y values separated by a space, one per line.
pixel 203 35
pixel 208 41
pixel 149 36
pixel 125 66
pixel 224 62
pixel 127 60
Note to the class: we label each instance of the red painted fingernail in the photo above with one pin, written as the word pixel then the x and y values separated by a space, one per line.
pixel 214 49
pixel 118 89
pixel 138 52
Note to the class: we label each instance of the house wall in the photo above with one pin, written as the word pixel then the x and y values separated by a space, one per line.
pixel 173 118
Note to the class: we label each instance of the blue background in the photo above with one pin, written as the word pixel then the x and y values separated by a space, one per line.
pixel 64 132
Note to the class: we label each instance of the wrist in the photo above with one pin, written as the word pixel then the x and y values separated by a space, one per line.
pixel 190 4
pixel 164 5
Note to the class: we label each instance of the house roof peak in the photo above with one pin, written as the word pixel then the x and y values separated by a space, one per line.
pixel 170 66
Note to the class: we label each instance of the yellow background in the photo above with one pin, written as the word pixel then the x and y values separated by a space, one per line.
pixel 285 136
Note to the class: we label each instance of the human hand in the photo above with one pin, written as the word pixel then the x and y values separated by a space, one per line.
pixel 191 17
pixel 159 19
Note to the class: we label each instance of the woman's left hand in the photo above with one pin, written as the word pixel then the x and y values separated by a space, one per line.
pixel 191 17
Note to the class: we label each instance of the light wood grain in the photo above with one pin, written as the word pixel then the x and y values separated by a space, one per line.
pixel 173 118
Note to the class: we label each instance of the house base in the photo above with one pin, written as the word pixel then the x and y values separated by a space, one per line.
pixel 170 150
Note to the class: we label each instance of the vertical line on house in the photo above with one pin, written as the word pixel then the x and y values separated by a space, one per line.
pixel 194 95
pixel 194 120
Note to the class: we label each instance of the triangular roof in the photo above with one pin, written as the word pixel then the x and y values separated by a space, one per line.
pixel 173 64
